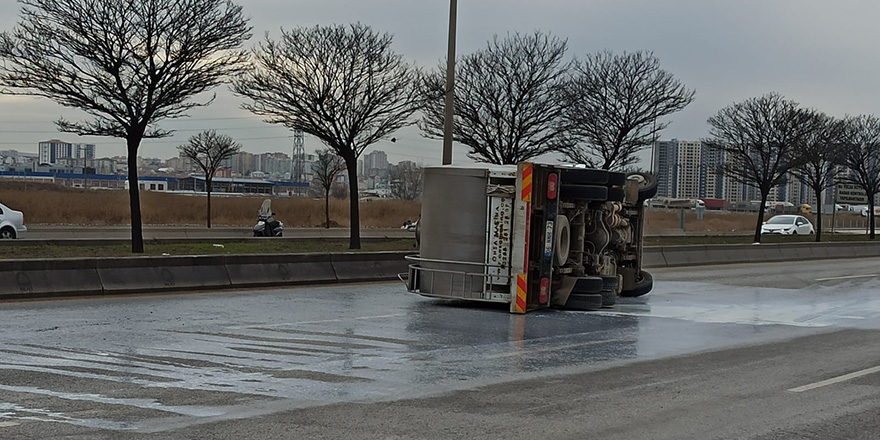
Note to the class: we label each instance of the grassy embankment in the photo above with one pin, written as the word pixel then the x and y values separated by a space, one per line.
pixel 56 205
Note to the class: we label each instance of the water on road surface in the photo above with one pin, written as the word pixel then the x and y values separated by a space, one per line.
pixel 159 362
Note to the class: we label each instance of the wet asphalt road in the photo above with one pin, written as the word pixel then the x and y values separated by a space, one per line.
pixel 714 352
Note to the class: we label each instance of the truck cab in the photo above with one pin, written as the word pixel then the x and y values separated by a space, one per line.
pixel 531 235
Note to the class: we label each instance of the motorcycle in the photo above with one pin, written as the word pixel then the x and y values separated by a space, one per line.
pixel 266 225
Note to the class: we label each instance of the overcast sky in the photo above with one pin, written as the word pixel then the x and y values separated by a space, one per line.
pixel 820 53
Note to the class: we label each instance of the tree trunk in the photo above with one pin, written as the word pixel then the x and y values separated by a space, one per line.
pixel 871 215
pixel 818 193
pixel 327 208
pixel 208 190
pixel 134 197
pixel 354 213
pixel 764 195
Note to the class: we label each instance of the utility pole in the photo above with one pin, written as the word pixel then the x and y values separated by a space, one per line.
pixel 298 163
pixel 450 85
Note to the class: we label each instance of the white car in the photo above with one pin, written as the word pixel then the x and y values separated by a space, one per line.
pixel 788 225
pixel 11 223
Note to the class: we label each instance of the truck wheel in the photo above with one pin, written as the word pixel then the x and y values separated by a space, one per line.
pixel 583 192
pixel 609 298
pixel 580 176
pixel 609 291
pixel 647 185
pixel 616 195
pixel 643 285
pixel 609 283
pixel 616 179
pixel 585 302
pixel 585 285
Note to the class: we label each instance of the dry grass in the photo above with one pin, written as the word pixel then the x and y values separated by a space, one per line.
pixel 54 204
pixel 45 203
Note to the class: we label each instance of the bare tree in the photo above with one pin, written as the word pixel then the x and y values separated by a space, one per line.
pixel 758 138
pixel 341 84
pixel 821 153
pixel 863 159
pixel 127 63
pixel 613 104
pixel 339 191
pixel 327 169
pixel 407 179
pixel 507 106
pixel 208 150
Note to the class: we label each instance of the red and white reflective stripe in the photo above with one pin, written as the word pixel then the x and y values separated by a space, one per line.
pixel 521 291
pixel 527 183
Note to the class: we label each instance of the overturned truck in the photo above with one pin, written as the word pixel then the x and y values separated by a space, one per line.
pixel 531 235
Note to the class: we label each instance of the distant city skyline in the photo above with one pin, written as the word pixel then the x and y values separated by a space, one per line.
pixel 814 52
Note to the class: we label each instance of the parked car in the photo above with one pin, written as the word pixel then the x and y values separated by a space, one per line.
pixel 11 223
pixel 863 211
pixel 788 225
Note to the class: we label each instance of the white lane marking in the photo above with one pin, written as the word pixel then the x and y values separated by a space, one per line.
pixel 561 347
pixel 8 424
pixel 835 380
pixel 848 277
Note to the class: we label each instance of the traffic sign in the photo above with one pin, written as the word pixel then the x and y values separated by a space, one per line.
pixel 850 194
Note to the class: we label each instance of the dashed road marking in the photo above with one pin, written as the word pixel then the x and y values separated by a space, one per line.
pixel 835 380
pixel 849 277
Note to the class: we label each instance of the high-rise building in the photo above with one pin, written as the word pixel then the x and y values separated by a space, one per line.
pixel 687 170
pixel 84 151
pixel 51 151
pixel 375 163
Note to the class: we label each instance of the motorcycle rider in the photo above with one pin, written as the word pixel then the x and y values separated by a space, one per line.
pixel 268 216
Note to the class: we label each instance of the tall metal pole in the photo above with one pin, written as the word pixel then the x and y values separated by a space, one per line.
pixel 450 85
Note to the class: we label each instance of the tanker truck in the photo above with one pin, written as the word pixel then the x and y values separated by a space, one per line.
pixel 531 235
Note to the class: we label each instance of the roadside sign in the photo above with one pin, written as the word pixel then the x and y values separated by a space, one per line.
pixel 850 194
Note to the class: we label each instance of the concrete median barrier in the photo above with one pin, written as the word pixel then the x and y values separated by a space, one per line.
pixel 148 274
pixel 685 255
pixel 60 277
pixel 273 270
pixel 37 278
pixel 653 257
pixel 369 267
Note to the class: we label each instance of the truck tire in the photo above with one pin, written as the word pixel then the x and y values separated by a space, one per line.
pixel 585 285
pixel 583 192
pixel 616 179
pixel 580 176
pixel 647 185
pixel 616 195
pixel 587 302
pixel 609 283
pixel 609 291
pixel 609 298
pixel 643 285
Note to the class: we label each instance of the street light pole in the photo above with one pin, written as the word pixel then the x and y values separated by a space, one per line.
pixel 450 85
